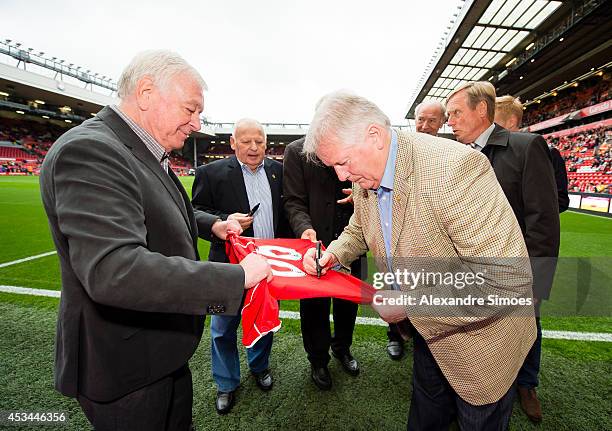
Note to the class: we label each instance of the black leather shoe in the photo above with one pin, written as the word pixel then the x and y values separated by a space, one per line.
pixel 350 364
pixel 321 377
pixel 224 402
pixel 395 349
pixel 264 380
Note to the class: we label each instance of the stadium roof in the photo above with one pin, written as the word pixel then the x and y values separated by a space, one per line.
pixel 491 39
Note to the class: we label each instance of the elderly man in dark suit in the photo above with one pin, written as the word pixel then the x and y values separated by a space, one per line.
pixel 522 164
pixel 318 209
pixel 133 291
pixel 509 114
pixel 230 189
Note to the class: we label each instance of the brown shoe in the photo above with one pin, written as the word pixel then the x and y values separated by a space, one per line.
pixel 530 404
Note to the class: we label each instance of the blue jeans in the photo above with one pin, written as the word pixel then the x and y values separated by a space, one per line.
pixel 224 352
pixel 528 374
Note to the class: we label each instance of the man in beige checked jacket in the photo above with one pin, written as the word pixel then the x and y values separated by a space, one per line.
pixel 428 202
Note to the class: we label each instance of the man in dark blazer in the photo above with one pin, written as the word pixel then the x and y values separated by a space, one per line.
pixel 318 209
pixel 522 164
pixel 229 189
pixel 509 115
pixel 133 291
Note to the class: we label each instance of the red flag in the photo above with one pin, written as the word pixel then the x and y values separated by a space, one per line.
pixel 260 310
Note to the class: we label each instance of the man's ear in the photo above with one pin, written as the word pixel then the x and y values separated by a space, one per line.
pixel 481 108
pixel 233 143
pixel 145 89
pixel 374 134
pixel 514 122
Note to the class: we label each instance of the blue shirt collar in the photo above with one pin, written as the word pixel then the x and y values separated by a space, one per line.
pixel 389 175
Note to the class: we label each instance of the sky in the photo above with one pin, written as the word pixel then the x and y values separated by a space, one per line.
pixel 270 59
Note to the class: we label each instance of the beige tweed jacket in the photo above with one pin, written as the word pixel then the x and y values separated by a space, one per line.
pixel 448 206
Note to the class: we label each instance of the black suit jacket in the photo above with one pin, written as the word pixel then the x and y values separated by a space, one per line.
pixel 522 164
pixel 560 179
pixel 219 189
pixel 310 192
pixel 133 292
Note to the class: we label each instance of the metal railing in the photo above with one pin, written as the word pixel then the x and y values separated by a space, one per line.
pixel 28 56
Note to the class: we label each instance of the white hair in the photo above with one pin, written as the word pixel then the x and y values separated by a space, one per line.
pixel 246 122
pixel 344 115
pixel 159 65
pixel 435 103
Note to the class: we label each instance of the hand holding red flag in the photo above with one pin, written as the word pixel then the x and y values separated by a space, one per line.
pixel 291 281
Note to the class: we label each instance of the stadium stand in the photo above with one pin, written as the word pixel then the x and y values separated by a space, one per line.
pixel 588 158
pixel 24 145
pixel 584 147
pixel 590 92
pixel 180 165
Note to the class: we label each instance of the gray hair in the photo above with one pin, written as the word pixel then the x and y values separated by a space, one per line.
pixel 344 114
pixel 435 103
pixel 245 122
pixel 159 65
pixel 477 91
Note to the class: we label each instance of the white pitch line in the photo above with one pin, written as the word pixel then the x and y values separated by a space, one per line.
pixel 558 335
pixel 30 291
pixel 25 259
pixel 372 321
pixel 577 336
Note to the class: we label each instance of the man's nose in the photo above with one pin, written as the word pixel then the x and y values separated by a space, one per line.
pixel 341 172
pixel 194 122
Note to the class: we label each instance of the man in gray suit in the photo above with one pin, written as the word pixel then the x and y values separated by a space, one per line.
pixel 133 291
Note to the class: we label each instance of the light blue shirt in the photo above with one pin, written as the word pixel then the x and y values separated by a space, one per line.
pixel 258 192
pixel 384 194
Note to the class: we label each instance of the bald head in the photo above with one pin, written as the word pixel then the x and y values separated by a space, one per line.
pixel 247 123
pixel 248 141
pixel 430 116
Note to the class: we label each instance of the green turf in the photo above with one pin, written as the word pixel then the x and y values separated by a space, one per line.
pixel 575 386
pixel 575 378
pixel 22 219
pixel 585 235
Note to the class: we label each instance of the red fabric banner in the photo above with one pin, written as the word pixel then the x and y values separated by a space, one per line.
pixel 290 281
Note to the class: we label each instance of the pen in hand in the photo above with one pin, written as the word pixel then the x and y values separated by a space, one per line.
pixel 317 260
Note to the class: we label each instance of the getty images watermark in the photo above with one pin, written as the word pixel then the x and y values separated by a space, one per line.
pixel 453 292
pixel 470 286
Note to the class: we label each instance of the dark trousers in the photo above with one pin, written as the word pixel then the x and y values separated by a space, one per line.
pixel 528 374
pixel 393 333
pixel 163 405
pixel 435 405
pixel 316 331
pixel 400 331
